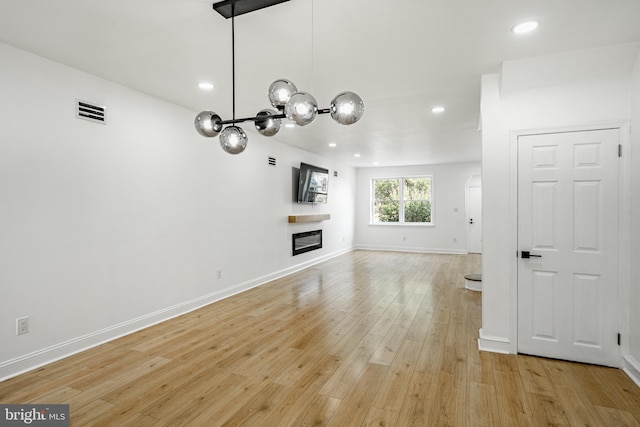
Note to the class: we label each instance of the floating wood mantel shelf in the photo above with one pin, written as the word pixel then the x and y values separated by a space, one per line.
pixel 294 219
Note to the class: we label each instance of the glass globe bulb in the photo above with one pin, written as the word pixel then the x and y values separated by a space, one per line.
pixel 280 91
pixel 301 108
pixel 346 108
pixel 268 126
pixel 207 123
pixel 233 140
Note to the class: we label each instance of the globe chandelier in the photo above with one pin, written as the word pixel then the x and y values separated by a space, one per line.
pixel 289 103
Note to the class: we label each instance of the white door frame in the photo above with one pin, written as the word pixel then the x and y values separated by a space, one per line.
pixel 473 181
pixel 624 219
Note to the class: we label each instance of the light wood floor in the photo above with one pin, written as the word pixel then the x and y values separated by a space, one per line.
pixel 368 338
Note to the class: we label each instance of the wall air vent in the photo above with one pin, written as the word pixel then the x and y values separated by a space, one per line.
pixel 93 113
pixel 272 161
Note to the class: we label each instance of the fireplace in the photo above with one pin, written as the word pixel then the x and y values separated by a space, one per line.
pixel 305 242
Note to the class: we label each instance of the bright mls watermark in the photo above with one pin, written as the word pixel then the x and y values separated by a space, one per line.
pixel 34 415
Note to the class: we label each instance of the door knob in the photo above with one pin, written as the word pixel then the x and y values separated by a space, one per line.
pixel 527 254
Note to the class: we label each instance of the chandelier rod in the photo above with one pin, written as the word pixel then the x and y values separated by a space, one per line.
pixel 266 117
pixel 233 60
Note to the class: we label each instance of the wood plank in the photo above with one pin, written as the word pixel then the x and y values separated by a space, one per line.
pixel 390 345
pixel 354 407
pixel 534 376
pixel 253 409
pixel 546 410
pixel 297 219
pixel 349 372
pixel 319 411
pixel 391 393
pixel 299 351
pixel 379 418
pixel 623 389
pixel 483 405
pixel 200 399
pixel 420 400
pixel 617 417
pixel 511 394
pixel 295 401
pixel 577 409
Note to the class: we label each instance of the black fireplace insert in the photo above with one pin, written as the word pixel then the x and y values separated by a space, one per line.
pixel 305 242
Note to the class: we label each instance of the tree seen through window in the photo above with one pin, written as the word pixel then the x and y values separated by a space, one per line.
pixel 402 200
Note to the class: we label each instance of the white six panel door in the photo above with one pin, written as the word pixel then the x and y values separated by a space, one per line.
pixel 568 216
pixel 475 220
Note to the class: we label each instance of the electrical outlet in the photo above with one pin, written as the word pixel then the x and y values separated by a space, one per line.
pixel 22 325
pixel 219 274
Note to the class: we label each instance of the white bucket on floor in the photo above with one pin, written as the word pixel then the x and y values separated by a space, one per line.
pixel 473 282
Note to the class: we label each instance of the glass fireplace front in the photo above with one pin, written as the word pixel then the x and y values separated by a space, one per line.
pixel 307 241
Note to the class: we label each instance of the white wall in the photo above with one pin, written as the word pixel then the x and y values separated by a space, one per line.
pixel 107 229
pixel 564 91
pixel 449 194
pixel 633 358
pixel 496 219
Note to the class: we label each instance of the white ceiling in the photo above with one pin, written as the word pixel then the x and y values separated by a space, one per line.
pixel 401 56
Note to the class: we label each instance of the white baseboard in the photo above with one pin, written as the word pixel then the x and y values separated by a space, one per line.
pixel 410 249
pixel 493 344
pixel 27 362
pixel 632 368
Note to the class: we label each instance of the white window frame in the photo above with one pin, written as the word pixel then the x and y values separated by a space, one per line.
pixel 401 201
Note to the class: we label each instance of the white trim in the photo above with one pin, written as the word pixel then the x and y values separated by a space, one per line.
pixel 493 343
pixel 401 224
pixel 632 368
pixel 577 128
pixel 401 200
pixel 410 249
pixel 624 246
pixel 36 359
pixel 513 244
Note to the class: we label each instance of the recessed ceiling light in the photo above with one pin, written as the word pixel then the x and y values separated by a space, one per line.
pixel 376 163
pixel 289 125
pixel 437 109
pixel 332 144
pixel 205 85
pixel 525 27
pixel 356 155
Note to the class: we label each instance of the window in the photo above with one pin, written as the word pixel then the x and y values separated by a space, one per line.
pixel 402 200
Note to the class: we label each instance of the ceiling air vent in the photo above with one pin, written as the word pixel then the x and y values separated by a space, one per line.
pixel 93 113
pixel 272 161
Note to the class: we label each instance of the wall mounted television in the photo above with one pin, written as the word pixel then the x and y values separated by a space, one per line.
pixel 313 184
